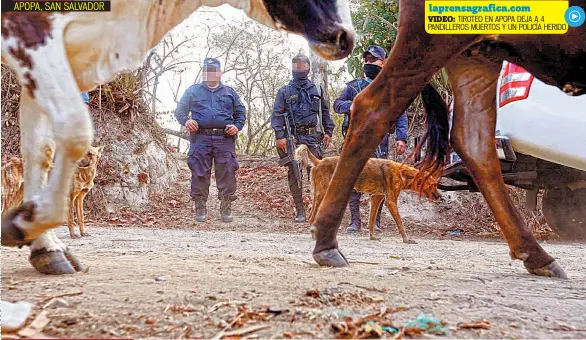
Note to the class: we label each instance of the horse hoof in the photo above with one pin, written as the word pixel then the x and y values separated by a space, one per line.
pixel 12 236
pixel 331 258
pixel 409 242
pixel 551 270
pixel 55 262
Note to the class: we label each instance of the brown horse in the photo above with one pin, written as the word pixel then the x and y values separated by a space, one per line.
pixel 473 63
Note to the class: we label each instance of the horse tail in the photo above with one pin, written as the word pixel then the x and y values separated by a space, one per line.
pixel 436 137
pixel 305 157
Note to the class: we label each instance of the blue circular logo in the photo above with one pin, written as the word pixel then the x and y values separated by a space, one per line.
pixel 575 16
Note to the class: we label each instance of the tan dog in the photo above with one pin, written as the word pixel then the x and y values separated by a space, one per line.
pixel 381 178
pixel 13 178
pixel 83 182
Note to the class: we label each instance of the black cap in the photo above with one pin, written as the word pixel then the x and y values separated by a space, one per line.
pixel 376 51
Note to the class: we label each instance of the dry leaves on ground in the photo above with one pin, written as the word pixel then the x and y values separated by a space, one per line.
pixel 479 324
pixel 335 296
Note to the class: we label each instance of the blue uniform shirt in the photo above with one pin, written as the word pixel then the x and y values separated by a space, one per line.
pixel 304 112
pixel 211 108
pixel 343 103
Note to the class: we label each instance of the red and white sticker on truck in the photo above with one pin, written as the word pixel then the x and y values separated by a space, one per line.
pixel 515 84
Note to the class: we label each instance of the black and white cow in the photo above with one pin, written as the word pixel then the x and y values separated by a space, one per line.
pixel 57 55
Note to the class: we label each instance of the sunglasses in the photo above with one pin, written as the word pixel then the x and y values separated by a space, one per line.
pixel 371 59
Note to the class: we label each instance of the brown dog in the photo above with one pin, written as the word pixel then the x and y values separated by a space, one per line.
pixel 381 178
pixel 83 182
pixel 13 179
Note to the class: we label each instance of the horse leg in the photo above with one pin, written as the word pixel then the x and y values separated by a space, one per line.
pixel 474 83
pixel 414 59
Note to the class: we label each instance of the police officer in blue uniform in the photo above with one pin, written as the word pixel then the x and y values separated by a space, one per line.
pixel 217 115
pixel 374 58
pixel 309 117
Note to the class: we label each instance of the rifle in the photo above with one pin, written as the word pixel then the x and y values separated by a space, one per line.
pixel 290 158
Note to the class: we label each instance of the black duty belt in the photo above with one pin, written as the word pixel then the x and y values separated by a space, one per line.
pixel 304 130
pixel 212 132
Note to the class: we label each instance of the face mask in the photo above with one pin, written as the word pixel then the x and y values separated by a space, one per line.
pixel 300 75
pixel 372 70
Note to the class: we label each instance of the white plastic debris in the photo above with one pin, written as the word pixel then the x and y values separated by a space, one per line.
pixel 14 315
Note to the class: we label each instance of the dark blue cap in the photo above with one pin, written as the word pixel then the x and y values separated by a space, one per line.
pixel 376 51
pixel 212 62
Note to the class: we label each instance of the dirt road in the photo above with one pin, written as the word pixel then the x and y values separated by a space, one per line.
pixel 189 281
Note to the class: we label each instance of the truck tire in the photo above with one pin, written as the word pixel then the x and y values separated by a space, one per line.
pixel 565 212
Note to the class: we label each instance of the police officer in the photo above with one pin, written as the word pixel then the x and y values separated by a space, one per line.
pixel 374 58
pixel 216 117
pixel 309 117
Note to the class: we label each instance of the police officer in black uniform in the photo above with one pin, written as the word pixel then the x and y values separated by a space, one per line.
pixel 374 58
pixel 309 118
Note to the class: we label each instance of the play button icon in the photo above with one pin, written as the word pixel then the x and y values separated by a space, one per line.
pixel 575 16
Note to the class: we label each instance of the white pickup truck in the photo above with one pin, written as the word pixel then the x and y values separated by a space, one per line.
pixel 541 142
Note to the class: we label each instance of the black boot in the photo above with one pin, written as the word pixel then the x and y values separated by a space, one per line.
pixel 200 210
pixel 300 217
pixel 354 214
pixel 377 228
pixel 226 210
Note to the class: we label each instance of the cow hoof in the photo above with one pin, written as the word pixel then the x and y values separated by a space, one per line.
pixel 12 236
pixel 55 262
pixel 551 270
pixel 331 258
pixel 409 241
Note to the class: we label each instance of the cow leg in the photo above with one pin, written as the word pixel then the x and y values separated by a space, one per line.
pixel 414 59
pixel 59 98
pixel 474 83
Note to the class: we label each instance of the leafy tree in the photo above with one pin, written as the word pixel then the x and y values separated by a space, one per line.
pixel 376 22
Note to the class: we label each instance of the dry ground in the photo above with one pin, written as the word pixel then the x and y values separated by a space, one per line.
pixel 206 272
pixel 173 278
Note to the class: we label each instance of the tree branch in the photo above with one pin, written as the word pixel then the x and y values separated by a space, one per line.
pixel 183 135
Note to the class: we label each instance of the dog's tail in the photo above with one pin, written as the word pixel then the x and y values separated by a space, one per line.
pixel 305 157
pixel 437 136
